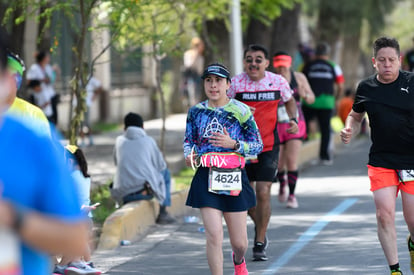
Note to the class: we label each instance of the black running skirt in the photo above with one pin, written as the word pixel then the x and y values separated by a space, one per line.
pixel 199 196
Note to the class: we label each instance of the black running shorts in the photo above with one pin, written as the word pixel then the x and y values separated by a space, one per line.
pixel 265 168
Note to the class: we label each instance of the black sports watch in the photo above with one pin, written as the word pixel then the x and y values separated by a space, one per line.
pixel 19 215
pixel 295 120
pixel 237 145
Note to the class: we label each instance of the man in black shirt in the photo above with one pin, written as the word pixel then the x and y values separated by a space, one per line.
pixel 388 99
pixel 327 82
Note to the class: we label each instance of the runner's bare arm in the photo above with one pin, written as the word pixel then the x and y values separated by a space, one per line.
pixel 352 125
pixel 45 233
pixel 292 111
pixel 304 89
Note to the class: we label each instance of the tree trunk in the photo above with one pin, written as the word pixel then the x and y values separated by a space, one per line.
pixel 154 110
pixel 44 41
pixel 160 92
pixel 328 28
pixel 285 31
pixel 216 37
pixel 176 104
pixel 17 31
pixel 259 33
pixel 16 36
pixel 350 61
pixel 78 82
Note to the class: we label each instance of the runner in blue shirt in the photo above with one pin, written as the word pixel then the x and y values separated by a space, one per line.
pixel 39 210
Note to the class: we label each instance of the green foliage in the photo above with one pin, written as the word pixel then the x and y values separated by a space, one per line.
pixel 184 178
pixel 102 195
pixel 165 22
pixel 376 11
pixel 11 7
pixel 155 22
pixel 348 17
pixel 79 14
pixel 265 10
pixel 396 24
pixel 105 127
pixel 48 10
pixel 211 10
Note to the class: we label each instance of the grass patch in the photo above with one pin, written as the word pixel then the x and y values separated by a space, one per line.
pixel 183 179
pixel 100 127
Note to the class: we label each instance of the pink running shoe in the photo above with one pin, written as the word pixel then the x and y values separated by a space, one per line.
pixel 283 195
pixel 240 269
pixel 292 202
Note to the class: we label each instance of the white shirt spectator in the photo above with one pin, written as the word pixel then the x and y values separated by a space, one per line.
pixel 91 87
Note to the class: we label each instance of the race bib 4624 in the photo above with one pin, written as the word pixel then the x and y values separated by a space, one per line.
pixel 225 181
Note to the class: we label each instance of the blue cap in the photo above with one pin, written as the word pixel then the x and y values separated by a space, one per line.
pixel 216 69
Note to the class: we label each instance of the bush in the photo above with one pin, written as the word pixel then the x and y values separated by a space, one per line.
pixel 105 127
pixel 183 179
pixel 103 195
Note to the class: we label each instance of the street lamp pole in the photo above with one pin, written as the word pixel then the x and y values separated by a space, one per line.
pixel 236 44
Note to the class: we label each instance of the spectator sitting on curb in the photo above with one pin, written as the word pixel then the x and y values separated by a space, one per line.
pixel 141 172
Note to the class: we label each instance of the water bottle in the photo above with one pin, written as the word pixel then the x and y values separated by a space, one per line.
pixel 125 242
pixel 191 219
pixel 201 229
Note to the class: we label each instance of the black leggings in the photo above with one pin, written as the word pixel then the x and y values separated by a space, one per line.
pixel 323 117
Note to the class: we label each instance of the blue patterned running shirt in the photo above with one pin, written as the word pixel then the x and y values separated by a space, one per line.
pixel 235 117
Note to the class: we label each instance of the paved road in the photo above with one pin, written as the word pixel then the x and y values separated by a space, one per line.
pixel 332 232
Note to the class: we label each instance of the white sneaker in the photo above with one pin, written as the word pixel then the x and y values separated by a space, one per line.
pixel 76 268
pixel 327 162
pixel 315 162
pixel 59 269
pixel 292 202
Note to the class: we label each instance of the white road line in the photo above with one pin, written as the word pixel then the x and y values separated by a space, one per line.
pixel 306 237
